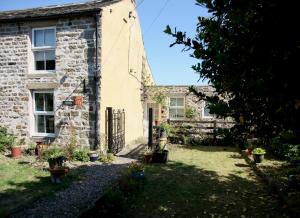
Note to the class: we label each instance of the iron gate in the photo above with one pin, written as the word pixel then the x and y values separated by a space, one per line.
pixel 115 130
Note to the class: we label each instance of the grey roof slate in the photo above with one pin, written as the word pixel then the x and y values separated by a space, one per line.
pixel 54 11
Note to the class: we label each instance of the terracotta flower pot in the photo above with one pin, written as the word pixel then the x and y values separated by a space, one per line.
pixel 78 100
pixel 58 173
pixel 16 152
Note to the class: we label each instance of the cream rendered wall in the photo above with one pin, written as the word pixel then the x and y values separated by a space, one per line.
pixel 124 67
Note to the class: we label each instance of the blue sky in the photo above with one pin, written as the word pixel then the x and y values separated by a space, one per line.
pixel 170 66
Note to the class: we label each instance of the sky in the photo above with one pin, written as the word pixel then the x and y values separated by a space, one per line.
pixel 170 66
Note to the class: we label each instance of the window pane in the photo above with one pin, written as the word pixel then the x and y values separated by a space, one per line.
pixel 50 60
pixel 180 102
pixel 39 101
pixel 39 60
pixel 49 124
pixel 38 38
pixel 49 37
pixel 180 113
pixel 40 127
pixel 206 110
pixel 48 101
pixel 173 102
pixel 172 113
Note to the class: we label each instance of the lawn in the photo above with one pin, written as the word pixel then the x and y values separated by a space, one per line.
pixel 21 184
pixel 199 182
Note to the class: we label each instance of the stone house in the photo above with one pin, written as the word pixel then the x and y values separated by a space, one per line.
pixel 181 107
pixel 62 66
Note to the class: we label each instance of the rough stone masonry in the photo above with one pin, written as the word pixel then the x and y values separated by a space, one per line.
pixel 74 73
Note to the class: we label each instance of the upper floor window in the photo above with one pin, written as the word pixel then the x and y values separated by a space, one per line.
pixel 43 47
pixel 176 108
pixel 205 110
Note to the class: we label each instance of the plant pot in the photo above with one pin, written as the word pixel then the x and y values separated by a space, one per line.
pixel 16 152
pixel 157 122
pixel 58 173
pixel 258 158
pixel 78 100
pixel 94 157
pixel 160 157
pixel 138 174
pixel 147 158
pixel 56 162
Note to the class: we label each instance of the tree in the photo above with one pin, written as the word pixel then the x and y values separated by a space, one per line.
pixel 249 51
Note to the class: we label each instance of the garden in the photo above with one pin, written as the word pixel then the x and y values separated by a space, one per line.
pixel 31 171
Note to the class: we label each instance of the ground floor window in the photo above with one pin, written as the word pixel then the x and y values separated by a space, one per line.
pixel 176 108
pixel 43 111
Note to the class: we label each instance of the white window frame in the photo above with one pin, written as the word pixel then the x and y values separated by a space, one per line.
pixel 203 108
pixel 42 113
pixel 177 107
pixel 42 48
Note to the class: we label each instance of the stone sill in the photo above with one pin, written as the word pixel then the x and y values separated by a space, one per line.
pixel 40 75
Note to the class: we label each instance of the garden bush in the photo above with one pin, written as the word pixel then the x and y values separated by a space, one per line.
pixel 6 140
pixel 81 155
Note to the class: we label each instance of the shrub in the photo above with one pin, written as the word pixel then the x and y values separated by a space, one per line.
pixel 70 147
pixel 81 155
pixel 108 158
pixel 6 140
pixel 190 113
pixel 259 151
pixel 54 152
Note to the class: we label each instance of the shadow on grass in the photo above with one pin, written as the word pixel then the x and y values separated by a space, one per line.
pixel 180 190
pixel 42 191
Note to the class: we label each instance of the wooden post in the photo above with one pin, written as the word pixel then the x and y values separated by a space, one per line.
pixel 150 128
pixel 109 128
pixel 215 134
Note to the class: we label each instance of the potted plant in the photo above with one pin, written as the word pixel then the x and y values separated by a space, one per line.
pixel 78 100
pixel 136 170
pixel 56 156
pixel 148 155
pixel 57 173
pixel 258 154
pixel 160 155
pixel 16 148
pixel 165 129
pixel 94 156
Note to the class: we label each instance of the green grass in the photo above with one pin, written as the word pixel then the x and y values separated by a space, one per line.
pixel 22 184
pixel 202 182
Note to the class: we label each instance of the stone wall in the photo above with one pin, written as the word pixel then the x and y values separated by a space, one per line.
pixel 191 100
pixel 75 64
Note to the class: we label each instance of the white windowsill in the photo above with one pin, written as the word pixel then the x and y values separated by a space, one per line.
pixel 41 73
pixel 49 135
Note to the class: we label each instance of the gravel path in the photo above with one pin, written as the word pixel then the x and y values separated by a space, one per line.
pixel 80 195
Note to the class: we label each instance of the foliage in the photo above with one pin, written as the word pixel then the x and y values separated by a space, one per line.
pixel 282 148
pixel 106 158
pixel 6 140
pixel 166 127
pixel 190 112
pixel 54 152
pixel 243 54
pixel 72 145
pixel 160 98
pixel 135 166
pixel 81 155
pixel 18 142
pixel 259 151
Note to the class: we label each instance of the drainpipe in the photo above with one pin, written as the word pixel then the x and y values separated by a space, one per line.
pixel 97 81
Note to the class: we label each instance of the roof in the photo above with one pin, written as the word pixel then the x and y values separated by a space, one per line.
pixel 54 11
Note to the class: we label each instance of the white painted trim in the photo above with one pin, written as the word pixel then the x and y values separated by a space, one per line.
pixel 176 107
pixel 203 114
pixel 42 48
pixel 43 28
pixel 34 113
